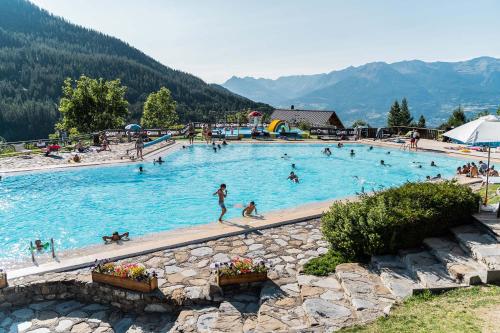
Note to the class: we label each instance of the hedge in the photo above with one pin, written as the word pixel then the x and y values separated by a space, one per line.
pixel 397 218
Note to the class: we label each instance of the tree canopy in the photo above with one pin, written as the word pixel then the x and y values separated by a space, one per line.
pixel 457 118
pixel 92 105
pixel 421 122
pixel 159 110
pixel 399 115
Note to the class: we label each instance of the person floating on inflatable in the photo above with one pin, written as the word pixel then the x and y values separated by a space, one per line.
pixel 39 246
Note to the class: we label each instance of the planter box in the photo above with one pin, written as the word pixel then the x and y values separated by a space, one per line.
pixel 243 278
pixel 3 280
pixel 125 283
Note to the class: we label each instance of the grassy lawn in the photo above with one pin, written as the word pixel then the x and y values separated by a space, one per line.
pixel 493 198
pixel 475 309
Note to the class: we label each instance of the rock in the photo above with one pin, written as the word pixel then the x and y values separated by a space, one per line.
pixel 81 328
pixel 291 288
pixel 42 305
pixel 181 257
pixel 24 313
pixel 95 307
pixel 206 322
pixel 221 257
pixel 361 304
pixel 66 307
pixel 202 263
pixel 249 241
pixel 308 291
pixel 21 327
pixel 189 273
pixel 123 325
pixel 64 325
pixel 172 269
pixel 322 250
pixel 327 283
pixel 281 242
pixel 40 330
pixel 332 295
pixel 255 247
pixel 195 293
pixel 320 309
pixel 288 258
pixel 156 308
pixel 202 251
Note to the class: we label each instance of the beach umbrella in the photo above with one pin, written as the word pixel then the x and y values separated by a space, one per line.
pixel 133 127
pixel 484 131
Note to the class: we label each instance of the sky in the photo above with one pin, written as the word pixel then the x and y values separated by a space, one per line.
pixel 217 39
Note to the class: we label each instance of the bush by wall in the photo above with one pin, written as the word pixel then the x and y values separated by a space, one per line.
pixel 397 218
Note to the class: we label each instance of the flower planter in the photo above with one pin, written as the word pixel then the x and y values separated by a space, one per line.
pixel 3 280
pixel 125 283
pixel 224 280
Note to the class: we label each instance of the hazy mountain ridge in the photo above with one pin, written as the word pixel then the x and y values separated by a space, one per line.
pixel 432 88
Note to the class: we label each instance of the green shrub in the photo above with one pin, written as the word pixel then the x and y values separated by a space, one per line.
pixel 397 218
pixel 324 264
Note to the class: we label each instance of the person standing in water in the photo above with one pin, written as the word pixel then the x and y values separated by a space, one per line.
pixel 191 133
pixel 222 194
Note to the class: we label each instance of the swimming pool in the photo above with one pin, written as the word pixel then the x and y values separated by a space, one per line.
pixel 76 207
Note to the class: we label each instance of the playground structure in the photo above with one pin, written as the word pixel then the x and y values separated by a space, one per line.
pixel 278 126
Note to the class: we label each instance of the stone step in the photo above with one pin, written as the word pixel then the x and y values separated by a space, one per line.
pixel 481 246
pixel 459 264
pixel 490 222
pixel 431 273
pixel 280 308
pixel 324 303
pixel 396 276
pixel 368 295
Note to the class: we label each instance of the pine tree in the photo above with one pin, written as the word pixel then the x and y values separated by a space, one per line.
pixel 394 115
pixel 457 118
pixel 421 122
pixel 405 117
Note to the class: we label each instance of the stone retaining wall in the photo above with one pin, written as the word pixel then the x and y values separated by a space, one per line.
pixel 89 292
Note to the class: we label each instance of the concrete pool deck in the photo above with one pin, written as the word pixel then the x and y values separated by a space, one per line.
pixel 72 259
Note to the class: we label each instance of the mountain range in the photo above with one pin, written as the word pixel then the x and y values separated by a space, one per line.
pixel 433 89
pixel 39 50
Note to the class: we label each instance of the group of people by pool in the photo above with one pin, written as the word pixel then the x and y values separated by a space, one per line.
pixel 472 170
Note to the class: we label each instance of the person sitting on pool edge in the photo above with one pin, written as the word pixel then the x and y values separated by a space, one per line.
pixel 293 177
pixel 115 237
pixel 248 210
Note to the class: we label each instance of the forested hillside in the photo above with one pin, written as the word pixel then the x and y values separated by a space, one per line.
pixel 39 50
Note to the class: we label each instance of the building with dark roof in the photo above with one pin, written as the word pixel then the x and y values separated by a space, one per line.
pixel 315 118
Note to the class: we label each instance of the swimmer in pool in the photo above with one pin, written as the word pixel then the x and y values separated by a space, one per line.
pixel 293 166
pixel 141 170
pixel 159 160
pixel 352 152
pixel 248 210
pixel 433 164
pixel 382 162
pixel 293 177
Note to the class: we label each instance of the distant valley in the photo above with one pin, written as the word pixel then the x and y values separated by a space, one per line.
pixel 433 89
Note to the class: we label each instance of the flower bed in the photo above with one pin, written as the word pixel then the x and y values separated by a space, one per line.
pixel 127 276
pixel 240 270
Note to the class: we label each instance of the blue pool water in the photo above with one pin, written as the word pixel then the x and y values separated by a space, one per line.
pixel 76 207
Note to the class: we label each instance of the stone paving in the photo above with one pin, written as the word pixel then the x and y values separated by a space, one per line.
pixel 186 279
pixel 188 299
